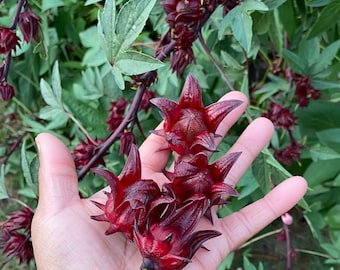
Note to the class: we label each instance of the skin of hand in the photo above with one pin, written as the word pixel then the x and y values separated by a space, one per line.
pixel 65 237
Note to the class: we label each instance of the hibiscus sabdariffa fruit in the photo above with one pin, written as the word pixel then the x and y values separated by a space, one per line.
pixel 129 199
pixel 162 221
pixel 189 127
pixel 197 176
pixel 170 242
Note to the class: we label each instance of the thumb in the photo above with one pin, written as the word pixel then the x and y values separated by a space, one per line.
pixel 58 182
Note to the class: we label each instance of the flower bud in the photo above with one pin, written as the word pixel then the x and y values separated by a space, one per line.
pixel 287 219
pixel 8 40
pixel 6 91
pixel 29 24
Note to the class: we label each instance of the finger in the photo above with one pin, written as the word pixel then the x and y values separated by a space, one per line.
pixel 250 143
pixel 233 116
pixel 154 160
pixel 240 226
pixel 58 183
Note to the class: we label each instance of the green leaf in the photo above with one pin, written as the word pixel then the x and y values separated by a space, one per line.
pixel 131 20
pixel 49 112
pixel 106 28
pixel 247 264
pixel 321 171
pixel 118 77
pixel 134 63
pixel 330 137
pixel 25 164
pixel 3 191
pixel 48 95
pixel 325 84
pixel 289 18
pixel 47 4
pixel 333 218
pixel 316 223
pixel 89 37
pixel 262 172
pixel 319 3
pixel 89 2
pixel 321 152
pixel 326 57
pixel 309 51
pixel 295 61
pixel 275 31
pixel 252 5
pixel 267 170
pixel 230 61
pixel 272 4
pixel 328 17
pixel 242 26
pixel 227 262
pixel 120 33
pixel 56 84
pixel 58 121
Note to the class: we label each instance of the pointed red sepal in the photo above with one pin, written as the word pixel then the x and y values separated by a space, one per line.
pixel 204 141
pixel 168 108
pixel 111 179
pixel 99 205
pixel 222 166
pixel 100 218
pixel 112 229
pixel 191 96
pixel 216 112
pixel 132 169
pixel 186 218
pixel 198 238
pixel 221 191
pixel 141 192
pixel 158 132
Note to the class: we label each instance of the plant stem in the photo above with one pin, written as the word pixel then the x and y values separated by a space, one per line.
pixel 12 27
pixel 289 249
pixel 213 60
pixel 80 126
pixel 130 115
pixel 12 148
pixel 312 252
pixel 255 239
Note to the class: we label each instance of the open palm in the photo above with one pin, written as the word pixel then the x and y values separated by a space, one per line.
pixel 65 237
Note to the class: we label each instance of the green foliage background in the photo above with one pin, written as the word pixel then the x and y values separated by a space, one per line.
pixel 64 85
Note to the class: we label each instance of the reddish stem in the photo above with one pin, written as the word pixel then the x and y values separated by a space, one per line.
pixel 130 116
pixel 13 26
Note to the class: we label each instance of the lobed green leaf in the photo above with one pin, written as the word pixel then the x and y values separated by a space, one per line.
pixel 134 63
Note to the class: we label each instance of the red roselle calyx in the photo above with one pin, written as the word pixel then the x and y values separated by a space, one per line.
pixel 170 243
pixel 198 177
pixel 162 222
pixel 8 40
pixel 129 198
pixel 6 91
pixel 189 127
pixel 15 234
pixel 29 24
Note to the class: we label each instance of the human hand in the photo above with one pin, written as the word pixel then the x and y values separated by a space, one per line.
pixel 65 237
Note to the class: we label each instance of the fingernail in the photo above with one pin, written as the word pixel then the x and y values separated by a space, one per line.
pixel 38 144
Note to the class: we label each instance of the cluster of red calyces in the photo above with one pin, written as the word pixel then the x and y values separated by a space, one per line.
pixel 15 237
pixel 162 221
pixel 185 19
pixel 29 24
pixel 284 119
pixel 304 90
pixel 84 151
